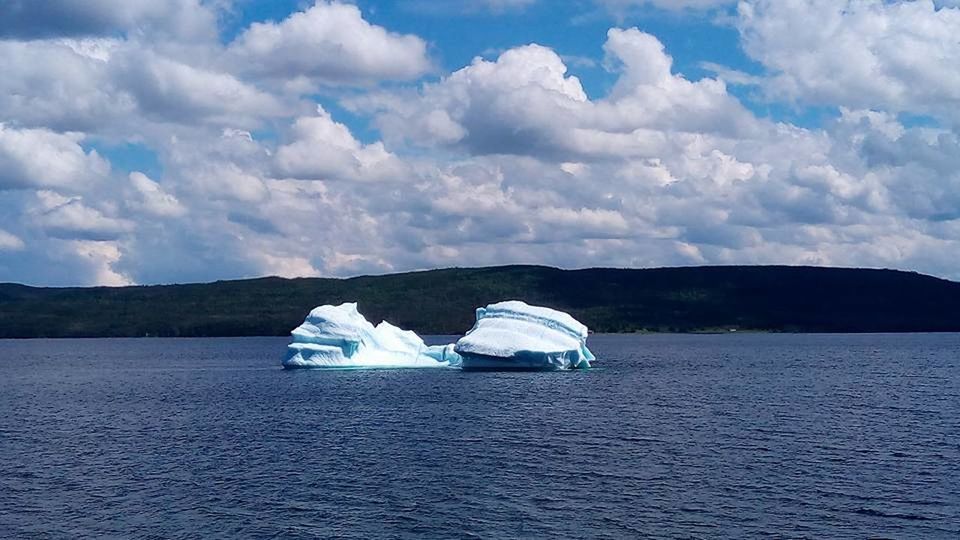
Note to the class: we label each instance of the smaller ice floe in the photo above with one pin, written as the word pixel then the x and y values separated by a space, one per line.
pixel 516 336
pixel 340 337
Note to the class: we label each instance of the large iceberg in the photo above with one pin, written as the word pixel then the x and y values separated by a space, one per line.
pixel 516 336
pixel 340 337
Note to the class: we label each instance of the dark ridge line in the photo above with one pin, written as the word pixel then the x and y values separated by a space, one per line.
pixel 773 298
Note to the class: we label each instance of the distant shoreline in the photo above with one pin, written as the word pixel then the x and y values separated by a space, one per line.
pixel 685 300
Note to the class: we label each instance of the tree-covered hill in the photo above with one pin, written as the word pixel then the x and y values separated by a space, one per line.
pixel 770 298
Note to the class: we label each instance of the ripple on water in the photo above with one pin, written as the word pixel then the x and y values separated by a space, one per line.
pixel 674 436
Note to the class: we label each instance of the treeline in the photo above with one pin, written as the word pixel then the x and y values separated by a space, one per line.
pixel 761 298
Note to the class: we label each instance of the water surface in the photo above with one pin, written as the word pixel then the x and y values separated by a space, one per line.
pixel 817 436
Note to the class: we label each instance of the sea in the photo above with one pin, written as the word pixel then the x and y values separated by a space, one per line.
pixel 669 436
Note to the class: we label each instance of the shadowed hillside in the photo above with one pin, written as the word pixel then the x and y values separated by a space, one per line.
pixel 770 298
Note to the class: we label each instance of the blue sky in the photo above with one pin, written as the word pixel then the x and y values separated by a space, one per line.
pixel 157 141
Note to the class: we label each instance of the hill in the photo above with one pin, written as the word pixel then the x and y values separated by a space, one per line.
pixel 766 298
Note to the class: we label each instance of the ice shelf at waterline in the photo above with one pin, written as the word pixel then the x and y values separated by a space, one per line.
pixel 516 336
pixel 340 337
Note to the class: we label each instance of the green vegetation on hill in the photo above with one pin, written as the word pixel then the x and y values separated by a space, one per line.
pixel 766 298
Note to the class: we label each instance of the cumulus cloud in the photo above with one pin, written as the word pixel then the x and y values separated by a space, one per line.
pixel 167 89
pixel 230 166
pixel 329 44
pixel 501 161
pixel 918 167
pixel 60 85
pixel 114 86
pixel 649 95
pixel 100 258
pixel 894 56
pixel 674 168
pixel 148 197
pixel 40 158
pixel 324 149
pixel 507 106
pixel 228 182
pixel 70 218
pixel 524 103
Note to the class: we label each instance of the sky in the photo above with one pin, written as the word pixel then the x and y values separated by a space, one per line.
pixel 166 141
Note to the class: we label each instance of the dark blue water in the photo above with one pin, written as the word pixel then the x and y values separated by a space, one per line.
pixel 674 436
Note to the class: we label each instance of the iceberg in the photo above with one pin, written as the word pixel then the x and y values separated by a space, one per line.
pixel 340 337
pixel 516 336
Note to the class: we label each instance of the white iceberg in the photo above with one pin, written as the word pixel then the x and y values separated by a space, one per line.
pixel 516 336
pixel 340 337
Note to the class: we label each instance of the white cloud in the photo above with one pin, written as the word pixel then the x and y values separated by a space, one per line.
pixel 329 44
pixel 151 199
pixel 502 161
pixel 863 54
pixel 228 167
pixel 524 103
pixel 649 95
pixel 227 181
pixel 50 84
pixel 323 149
pixel 700 173
pixel 100 258
pixel 70 218
pixel 115 87
pixel 288 267
pixel 733 76
pixel 39 158
pixel 10 242
pixel 673 168
pixel 518 104
pixel 169 90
